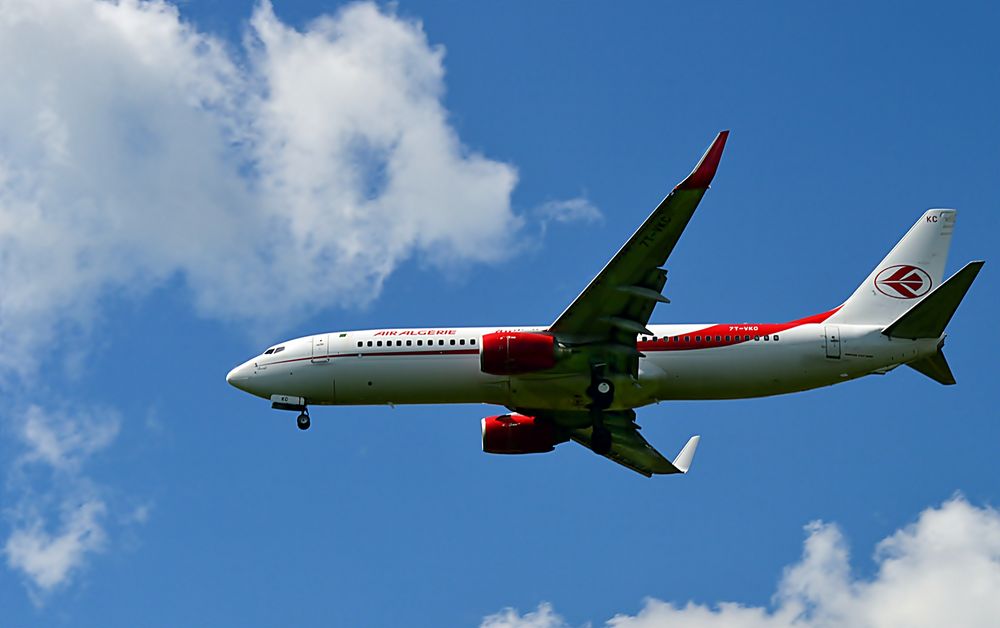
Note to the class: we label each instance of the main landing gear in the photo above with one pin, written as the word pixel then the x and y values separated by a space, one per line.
pixel 601 392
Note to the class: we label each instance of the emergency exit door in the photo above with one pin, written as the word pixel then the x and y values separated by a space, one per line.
pixel 833 341
pixel 321 348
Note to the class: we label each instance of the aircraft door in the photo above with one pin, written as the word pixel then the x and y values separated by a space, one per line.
pixel 833 342
pixel 321 348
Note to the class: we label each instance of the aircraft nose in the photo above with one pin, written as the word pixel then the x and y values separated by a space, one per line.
pixel 238 377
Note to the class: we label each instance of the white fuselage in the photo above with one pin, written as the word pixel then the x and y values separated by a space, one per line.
pixel 411 366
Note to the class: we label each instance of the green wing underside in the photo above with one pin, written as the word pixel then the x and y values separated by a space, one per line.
pixel 600 326
pixel 620 299
pixel 628 447
pixel 618 302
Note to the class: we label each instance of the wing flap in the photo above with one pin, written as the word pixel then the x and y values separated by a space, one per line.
pixel 631 450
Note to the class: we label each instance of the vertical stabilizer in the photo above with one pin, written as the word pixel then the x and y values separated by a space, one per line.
pixel 913 268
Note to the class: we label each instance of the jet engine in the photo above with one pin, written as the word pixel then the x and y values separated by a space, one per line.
pixel 518 434
pixel 512 353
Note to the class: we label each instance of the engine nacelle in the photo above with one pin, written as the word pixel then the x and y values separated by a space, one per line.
pixel 515 352
pixel 518 434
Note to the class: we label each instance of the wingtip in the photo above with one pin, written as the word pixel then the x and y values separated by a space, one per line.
pixel 704 172
pixel 686 456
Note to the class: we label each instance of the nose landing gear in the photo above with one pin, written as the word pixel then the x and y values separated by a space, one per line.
pixel 303 420
pixel 288 402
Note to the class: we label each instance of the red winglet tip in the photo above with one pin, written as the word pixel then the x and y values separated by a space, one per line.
pixel 704 172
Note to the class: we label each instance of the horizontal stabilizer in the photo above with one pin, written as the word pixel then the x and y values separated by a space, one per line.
pixel 934 367
pixel 929 318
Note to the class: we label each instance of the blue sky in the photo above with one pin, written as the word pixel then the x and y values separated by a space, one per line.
pixel 180 500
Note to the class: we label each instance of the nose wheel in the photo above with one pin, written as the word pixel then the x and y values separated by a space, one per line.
pixel 303 421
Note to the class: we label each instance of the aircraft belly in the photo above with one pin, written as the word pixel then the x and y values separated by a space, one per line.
pixel 743 371
pixel 374 379
pixel 761 368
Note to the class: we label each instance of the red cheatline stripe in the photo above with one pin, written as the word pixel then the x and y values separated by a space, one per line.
pixel 708 334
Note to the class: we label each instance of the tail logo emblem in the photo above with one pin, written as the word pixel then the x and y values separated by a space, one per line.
pixel 903 282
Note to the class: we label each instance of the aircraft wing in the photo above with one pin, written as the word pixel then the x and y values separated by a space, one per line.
pixel 628 447
pixel 620 299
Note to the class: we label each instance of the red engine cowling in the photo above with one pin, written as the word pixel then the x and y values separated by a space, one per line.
pixel 512 353
pixel 518 434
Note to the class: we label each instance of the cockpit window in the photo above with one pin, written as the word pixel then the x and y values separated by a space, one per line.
pixel 279 349
pixel 269 352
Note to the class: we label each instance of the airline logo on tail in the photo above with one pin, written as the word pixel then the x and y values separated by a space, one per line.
pixel 903 282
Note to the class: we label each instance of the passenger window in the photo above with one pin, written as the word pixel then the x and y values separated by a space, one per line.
pixel 677 338
pixel 767 337
pixel 746 337
pixel 399 343
pixel 462 341
pixel 727 338
pixel 776 337
pixel 472 342
pixel 756 337
pixel 718 339
pixel 379 343
pixel 687 338
pixel 440 342
pixel 452 341
pixel 369 343
pixel 409 343
pixel 697 338
pixel 359 343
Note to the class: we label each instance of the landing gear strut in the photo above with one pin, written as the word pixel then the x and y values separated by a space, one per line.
pixel 600 436
pixel 288 402
pixel 303 420
pixel 601 392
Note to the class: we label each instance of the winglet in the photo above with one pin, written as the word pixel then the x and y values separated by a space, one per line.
pixel 683 459
pixel 704 172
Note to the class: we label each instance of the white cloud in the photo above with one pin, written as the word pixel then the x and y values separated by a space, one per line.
pixel 135 148
pixel 274 178
pixel 63 441
pixel 48 491
pixel 48 560
pixel 578 209
pixel 544 617
pixel 943 570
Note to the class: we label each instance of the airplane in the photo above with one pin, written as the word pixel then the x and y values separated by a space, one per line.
pixel 582 377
